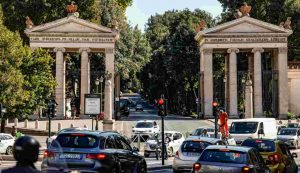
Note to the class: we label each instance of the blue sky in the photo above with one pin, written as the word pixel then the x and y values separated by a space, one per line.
pixel 141 10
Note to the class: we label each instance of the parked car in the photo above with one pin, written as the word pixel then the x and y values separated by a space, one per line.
pixel 189 152
pixel 6 143
pixel 276 153
pixel 198 131
pixel 144 129
pixel 253 128
pixel 139 107
pixel 230 159
pixel 74 129
pixel 290 136
pixel 229 141
pixel 293 125
pixel 92 151
pixel 176 140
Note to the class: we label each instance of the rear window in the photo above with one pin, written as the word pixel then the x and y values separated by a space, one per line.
pixel 243 127
pixel 224 156
pixel 76 141
pixel 194 146
pixel 260 145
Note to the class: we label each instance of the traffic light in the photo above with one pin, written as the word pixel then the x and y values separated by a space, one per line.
pixel 161 108
pixel 215 108
pixel 53 110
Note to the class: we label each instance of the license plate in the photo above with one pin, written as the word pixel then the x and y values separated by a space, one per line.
pixel 70 156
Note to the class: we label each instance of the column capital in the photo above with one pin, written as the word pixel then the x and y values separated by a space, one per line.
pixel 61 49
pixel 109 50
pixel 84 49
pixel 233 50
pixel 207 50
pixel 282 49
pixel 257 49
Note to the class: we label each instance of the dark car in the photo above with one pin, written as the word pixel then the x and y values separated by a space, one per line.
pixel 276 153
pixel 91 151
pixel 230 159
pixel 139 107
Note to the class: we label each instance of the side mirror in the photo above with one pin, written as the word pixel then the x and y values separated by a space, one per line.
pixel 294 155
pixel 261 131
pixel 135 149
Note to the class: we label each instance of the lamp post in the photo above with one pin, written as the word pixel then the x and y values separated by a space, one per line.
pixel 101 82
pixel 244 83
pixel 225 93
pixel 97 117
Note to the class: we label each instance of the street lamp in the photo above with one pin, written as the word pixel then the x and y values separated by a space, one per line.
pixel 101 81
pixel 97 117
pixel 225 93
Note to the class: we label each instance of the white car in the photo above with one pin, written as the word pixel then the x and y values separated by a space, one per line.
pixel 176 140
pixel 6 143
pixel 144 129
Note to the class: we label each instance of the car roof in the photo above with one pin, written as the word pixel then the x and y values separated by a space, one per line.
pixel 205 139
pixel 5 134
pixel 206 128
pixel 90 132
pixel 235 148
pixel 145 121
pixel 172 132
pixel 290 128
pixel 255 119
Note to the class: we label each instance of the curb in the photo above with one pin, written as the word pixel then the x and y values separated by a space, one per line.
pixel 159 167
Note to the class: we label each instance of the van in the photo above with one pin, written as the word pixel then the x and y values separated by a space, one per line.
pixel 253 128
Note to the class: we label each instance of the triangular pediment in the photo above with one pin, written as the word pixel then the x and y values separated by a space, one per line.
pixel 70 24
pixel 243 26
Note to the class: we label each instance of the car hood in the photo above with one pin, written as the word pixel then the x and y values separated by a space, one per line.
pixel 151 142
pixel 286 137
pixel 142 129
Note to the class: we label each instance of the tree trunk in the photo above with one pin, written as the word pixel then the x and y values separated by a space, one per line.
pixel 2 125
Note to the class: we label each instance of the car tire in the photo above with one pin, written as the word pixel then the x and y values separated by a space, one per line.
pixel 146 155
pixel 143 168
pixel 9 150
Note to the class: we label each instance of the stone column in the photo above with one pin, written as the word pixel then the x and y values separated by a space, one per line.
pixel 84 76
pixel 108 107
pixel 233 102
pixel 206 66
pixel 60 77
pixel 257 71
pixel 249 99
pixel 282 82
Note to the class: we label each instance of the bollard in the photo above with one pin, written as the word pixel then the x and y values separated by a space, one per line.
pixel 6 122
pixel 16 122
pixel 26 123
pixel 47 125
pixel 58 126
pixel 139 141
pixel 37 125
pixel 71 125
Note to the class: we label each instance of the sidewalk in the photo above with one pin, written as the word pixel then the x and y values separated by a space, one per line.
pixel 153 164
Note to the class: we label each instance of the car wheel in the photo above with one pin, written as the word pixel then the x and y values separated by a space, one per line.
pixel 176 171
pixel 9 150
pixel 143 168
pixel 146 154
pixel 114 170
pixel 170 152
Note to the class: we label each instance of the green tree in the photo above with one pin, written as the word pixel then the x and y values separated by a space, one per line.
pixel 174 64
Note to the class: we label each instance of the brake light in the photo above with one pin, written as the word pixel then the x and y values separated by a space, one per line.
pixel 197 166
pixel 48 154
pixel 246 169
pixel 77 134
pixel 274 158
pixel 224 150
pixel 258 141
pixel 177 154
pixel 96 156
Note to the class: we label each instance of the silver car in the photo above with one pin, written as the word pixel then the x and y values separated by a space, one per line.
pixel 189 152
pixel 290 136
pixel 230 159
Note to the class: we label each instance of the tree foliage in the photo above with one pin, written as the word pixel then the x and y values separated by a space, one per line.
pixel 271 11
pixel 174 64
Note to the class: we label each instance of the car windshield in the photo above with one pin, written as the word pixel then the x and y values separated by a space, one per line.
pixel 75 141
pixel 159 136
pixel 194 146
pixel 260 145
pixel 243 127
pixel 293 125
pixel 198 132
pixel 144 125
pixel 224 156
pixel 287 132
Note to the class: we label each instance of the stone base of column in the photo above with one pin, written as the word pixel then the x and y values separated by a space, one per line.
pixel 108 125
pixel 283 116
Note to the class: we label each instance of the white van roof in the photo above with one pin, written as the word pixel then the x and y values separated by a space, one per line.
pixel 255 119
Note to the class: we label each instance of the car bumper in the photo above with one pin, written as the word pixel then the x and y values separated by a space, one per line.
pixel 182 165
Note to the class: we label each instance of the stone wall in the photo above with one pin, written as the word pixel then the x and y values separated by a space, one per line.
pixel 294 87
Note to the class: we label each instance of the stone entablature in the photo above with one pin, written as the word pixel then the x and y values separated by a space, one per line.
pixel 294 65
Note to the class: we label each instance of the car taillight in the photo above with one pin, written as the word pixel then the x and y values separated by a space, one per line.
pixel 246 169
pixel 274 158
pixel 197 166
pixel 177 154
pixel 48 154
pixel 96 156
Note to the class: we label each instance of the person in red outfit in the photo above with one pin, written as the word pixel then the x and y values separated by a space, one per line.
pixel 223 123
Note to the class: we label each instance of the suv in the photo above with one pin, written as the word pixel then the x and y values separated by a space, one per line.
pixel 144 129
pixel 92 151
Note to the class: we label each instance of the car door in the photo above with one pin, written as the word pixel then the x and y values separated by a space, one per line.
pixel 261 162
pixel 133 157
pixel 177 141
pixel 288 160
pixel 254 160
pixel 123 154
